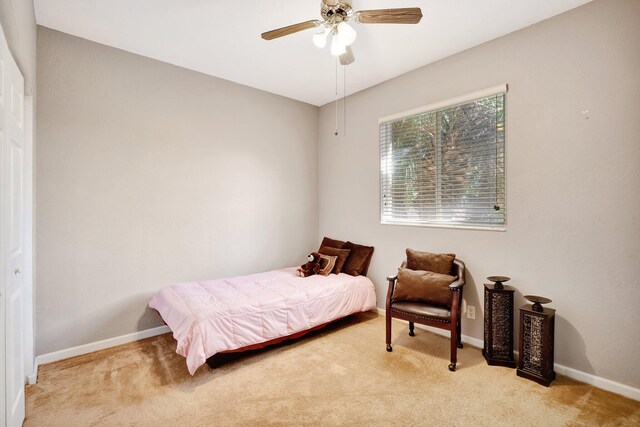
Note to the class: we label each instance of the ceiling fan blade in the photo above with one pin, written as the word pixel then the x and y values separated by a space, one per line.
pixel 409 15
pixel 347 57
pixel 285 31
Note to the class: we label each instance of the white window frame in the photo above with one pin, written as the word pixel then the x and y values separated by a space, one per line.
pixel 451 102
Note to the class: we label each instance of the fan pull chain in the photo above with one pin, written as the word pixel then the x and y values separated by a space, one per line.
pixel 336 132
pixel 344 102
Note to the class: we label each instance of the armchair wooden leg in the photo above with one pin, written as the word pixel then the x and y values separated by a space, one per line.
pixel 411 333
pixel 454 349
pixel 459 332
pixel 388 328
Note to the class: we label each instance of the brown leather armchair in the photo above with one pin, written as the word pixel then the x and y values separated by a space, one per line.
pixel 431 315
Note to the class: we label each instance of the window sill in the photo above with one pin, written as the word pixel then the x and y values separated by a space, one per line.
pixel 453 226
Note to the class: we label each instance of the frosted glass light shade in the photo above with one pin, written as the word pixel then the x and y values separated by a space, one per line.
pixel 320 38
pixel 337 48
pixel 346 34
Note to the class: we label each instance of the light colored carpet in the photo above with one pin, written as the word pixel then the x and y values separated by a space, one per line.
pixel 341 375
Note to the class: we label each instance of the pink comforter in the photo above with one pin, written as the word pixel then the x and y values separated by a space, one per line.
pixel 225 314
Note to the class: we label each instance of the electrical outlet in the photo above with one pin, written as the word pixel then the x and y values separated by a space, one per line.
pixel 471 311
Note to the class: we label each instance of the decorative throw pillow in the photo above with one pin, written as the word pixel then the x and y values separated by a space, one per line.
pixel 423 286
pixel 341 255
pixel 358 258
pixel 332 243
pixel 438 263
pixel 326 264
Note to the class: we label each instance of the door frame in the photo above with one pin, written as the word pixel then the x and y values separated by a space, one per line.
pixel 31 368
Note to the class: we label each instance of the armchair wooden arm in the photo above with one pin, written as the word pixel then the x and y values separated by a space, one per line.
pixel 459 272
pixel 457 285
pixel 392 284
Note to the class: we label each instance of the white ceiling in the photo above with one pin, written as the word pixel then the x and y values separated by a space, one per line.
pixel 222 38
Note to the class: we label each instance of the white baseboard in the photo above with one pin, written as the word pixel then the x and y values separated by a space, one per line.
pixel 55 356
pixel 599 382
pixel 33 376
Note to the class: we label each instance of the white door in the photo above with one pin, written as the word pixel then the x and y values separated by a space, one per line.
pixel 12 234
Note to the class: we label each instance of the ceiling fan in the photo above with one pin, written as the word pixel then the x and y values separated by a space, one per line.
pixel 335 15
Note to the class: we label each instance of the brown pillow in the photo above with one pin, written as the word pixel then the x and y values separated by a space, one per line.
pixel 358 258
pixel 326 264
pixel 332 243
pixel 423 286
pixel 341 255
pixel 438 263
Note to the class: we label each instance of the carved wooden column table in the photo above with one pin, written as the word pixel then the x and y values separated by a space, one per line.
pixel 498 323
pixel 537 326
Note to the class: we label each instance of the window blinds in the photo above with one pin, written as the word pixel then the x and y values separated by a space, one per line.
pixel 445 166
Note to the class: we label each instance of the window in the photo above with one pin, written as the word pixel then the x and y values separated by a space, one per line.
pixel 443 165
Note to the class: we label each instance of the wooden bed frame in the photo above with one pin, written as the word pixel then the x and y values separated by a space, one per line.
pixel 213 360
pixel 213 363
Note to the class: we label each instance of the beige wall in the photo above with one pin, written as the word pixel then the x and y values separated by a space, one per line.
pixel 149 174
pixel 573 232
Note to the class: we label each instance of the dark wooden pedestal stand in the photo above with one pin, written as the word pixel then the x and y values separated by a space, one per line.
pixel 537 325
pixel 498 323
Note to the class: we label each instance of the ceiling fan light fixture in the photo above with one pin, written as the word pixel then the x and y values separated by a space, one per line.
pixel 320 38
pixel 346 34
pixel 337 48
pixel 335 14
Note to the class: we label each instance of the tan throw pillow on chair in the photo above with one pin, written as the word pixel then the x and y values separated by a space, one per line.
pixel 423 286
pixel 438 263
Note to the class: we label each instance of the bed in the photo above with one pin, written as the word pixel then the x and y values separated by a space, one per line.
pixel 247 312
